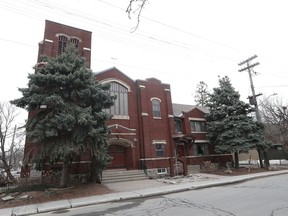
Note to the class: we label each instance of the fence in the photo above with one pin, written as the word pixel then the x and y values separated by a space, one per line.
pixel 275 154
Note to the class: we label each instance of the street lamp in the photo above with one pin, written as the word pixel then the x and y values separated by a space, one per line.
pixel 262 102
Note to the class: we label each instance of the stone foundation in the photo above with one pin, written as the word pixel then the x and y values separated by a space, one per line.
pixel 191 169
pixel 153 173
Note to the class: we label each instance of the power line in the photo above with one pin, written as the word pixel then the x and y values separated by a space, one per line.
pixel 140 40
pixel 104 24
pixel 274 86
pixel 176 28
pixel 17 42
pixel 160 42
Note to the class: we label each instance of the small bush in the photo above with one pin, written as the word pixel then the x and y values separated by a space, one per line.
pixel 28 184
pixel 208 167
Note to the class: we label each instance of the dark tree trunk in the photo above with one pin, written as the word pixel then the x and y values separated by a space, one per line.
pixel 266 160
pixel 64 175
pixel 94 177
pixel 236 157
pixel 6 165
pixel 260 158
pixel 7 170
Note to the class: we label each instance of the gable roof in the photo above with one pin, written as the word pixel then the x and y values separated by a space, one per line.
pixel 178 109
pixel 113 69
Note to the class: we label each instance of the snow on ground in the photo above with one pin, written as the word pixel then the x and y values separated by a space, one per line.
pixel 197 177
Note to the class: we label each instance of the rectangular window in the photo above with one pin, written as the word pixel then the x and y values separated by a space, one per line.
pixel 198 126
pixel 178 125
pixel 159 149
pixel 161 171
pixel 156 108
pixel 201 149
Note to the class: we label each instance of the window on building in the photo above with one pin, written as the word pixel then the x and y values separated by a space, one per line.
pixel 75 41
pixel 159 149
pixel 178 125
pixel 62 43
pixel 156 108
pixel 201 149
pixel 198 126
pixel 162 171
pixel 120 106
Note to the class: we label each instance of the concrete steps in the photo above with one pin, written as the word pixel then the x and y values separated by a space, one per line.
pixel 121 175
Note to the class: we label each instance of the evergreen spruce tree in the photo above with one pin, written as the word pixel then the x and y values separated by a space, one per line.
pixel 69 105
pixel 229 125
pixel 201 94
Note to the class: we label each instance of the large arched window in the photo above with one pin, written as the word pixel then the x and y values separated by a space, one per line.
pixel 120 106
pixel 156 108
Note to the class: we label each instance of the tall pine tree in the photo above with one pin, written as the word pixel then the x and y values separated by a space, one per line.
pixel 229 125
pixel 201 94
pixel 69 105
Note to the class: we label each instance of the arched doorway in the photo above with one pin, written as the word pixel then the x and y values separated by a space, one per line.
pixel 118 151
pixel 118 155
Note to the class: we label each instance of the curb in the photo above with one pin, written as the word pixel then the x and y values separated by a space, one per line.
pixel 141 193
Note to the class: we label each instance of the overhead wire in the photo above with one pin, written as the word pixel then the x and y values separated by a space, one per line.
pixel 145 38
pixel 138 35
pixel 175 28
pixel 131 66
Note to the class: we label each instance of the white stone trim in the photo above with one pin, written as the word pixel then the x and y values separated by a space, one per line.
pixel 196 119
pixel 155 98
pixel 120 117
pixel 124 134
pixel 199 132
pixel 48 40
pixel 157 118
pixel 153 159
pixel 159 142
pixel 109 80
pixel 121 126
pixel 201 141
pixel 69 37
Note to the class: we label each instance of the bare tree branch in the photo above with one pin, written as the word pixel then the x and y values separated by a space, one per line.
pixel 275 116
pixel 135 7
pixel 8 136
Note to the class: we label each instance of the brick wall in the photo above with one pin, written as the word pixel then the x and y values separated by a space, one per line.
pixel 49 45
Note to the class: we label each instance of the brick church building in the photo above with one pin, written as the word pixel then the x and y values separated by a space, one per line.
pixel 147 130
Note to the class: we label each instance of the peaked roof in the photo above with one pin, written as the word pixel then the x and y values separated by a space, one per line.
pixel 112 69
pixel 179 108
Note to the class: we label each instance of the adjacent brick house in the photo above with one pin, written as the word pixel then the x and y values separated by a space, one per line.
pixel 147 131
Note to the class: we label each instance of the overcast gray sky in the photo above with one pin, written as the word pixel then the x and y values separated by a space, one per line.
pixel 180 42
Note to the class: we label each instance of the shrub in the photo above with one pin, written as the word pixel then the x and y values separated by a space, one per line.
pixel 208 167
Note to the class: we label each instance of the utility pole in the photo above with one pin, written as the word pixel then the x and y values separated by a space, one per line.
pixel 253 98
pixel 253 101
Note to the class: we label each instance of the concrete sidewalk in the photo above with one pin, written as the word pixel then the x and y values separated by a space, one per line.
pixel 136 189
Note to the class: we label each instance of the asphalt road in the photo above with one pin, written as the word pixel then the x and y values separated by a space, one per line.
pixel 260 197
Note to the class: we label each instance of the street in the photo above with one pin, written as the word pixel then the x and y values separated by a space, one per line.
pixel 260 197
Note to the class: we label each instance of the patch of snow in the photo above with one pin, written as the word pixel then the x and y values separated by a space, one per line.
pixel 189 178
